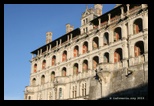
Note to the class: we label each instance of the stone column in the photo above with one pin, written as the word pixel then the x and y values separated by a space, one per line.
pixel 130 28
pixel 125 51
pixel 67 37
pixel 57 43
pixel 50 47
pixel 109 18
pixel 122 12
pixel 145 43
pixel 38 52
pixel 111 56
pixel 111 36
pixel 131 49
pixel 71 37
pixel 125 54
pixel 99 23
pixel 60 42
pixel 127 8
pixel 100 41
pixel 124 34
pixel 90 44
pixel 80 66
pixel 145 21
pixel 47 48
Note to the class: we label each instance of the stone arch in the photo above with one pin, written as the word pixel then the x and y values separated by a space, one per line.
pixel 85 47
pixel 95 43
pixel 117 34
pixel 138 48
pixel 118 56
pixel 137 25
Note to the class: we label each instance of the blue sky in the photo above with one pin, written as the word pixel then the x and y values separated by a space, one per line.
pixel 25 27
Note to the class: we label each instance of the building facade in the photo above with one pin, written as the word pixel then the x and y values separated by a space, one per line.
pixel 112 47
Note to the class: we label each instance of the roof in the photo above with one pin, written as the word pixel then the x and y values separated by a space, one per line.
pixel 74 33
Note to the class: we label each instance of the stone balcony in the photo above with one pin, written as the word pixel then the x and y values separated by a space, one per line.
pixel 61 80
pixel 136 60
pixel 29 89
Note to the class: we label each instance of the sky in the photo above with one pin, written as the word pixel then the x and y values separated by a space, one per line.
pixel 25 27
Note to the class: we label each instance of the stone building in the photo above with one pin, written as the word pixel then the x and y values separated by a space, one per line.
pixel 107 54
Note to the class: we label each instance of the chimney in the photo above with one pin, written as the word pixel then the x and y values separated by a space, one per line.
pixel 98 9
pixel 48 37
pixel 69 28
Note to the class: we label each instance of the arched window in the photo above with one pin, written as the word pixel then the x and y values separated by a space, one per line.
pixel 95 43
pixel 106 57
pixel 118 55
pixel 55 93
pixel 75 69
pixel 85 89
pixel 44 64
pixel 137 26
pixel 64 56
pixel 60 93
pixel 52 76
pixel 85 47
pixel 35 68
pixel 54 60
pixel 82 89
pixel 34 82
pixel 95 62
pixel 76 51
pixel 85 66
pixel 106 38
pixel 73 92
pixel 139 48
pixel 42 79
pixel 29 97
pixel 117 34
pixel 50 95
pixel 63 71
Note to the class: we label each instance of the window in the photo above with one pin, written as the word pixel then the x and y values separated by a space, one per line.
pixel 34 82
pixel 76 51
pixel 85 47
pixel 42 79
pixel 139 48
pixel 60 93
pixel 95 62
pixel 73 92
pixel 52 76
pixel 106 38
pixel 29 97
pixel 85 66
pixel 44 64
pixel 63 71
pixel 95 43
pixel 117 34
pixel 82 89
pixel 118 55
pixel 54 60
pixel 137 26
pixel 75 69
pixel 64 56
pixel 35 68
pixel 106 57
